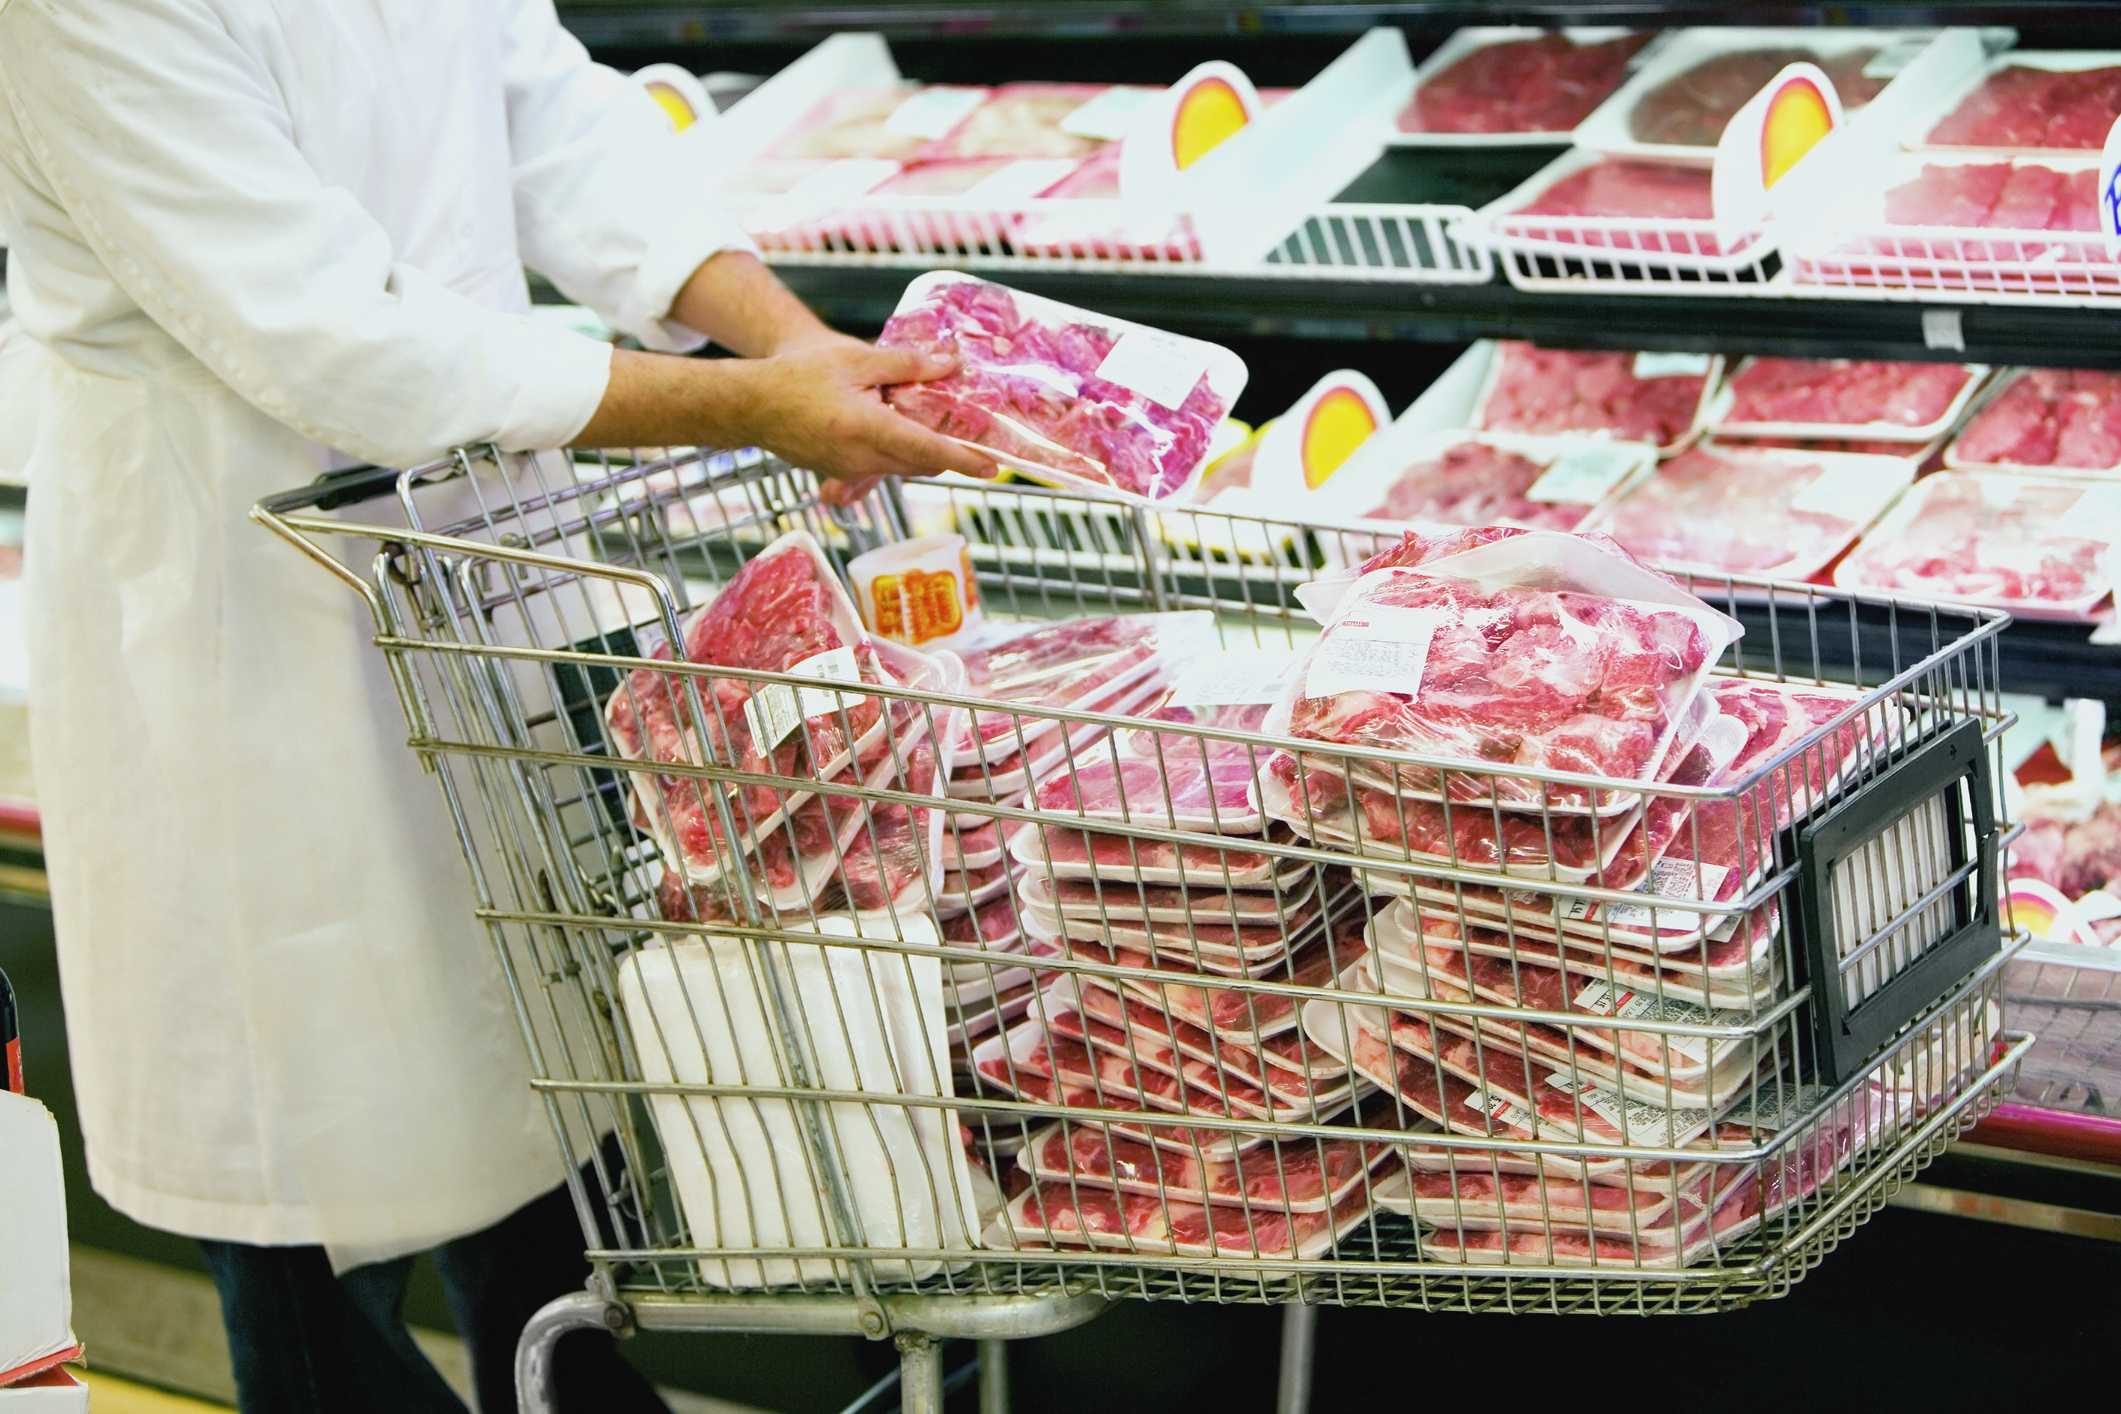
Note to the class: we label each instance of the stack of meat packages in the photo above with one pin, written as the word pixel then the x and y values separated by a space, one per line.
pixel 1165 1036
pixel 1113 665
pixel 1533 650
pixel 790 851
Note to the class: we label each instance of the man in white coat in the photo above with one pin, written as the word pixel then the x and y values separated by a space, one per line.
pixel 253 240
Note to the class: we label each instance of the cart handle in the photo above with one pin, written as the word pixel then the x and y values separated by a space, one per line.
pixel 348 487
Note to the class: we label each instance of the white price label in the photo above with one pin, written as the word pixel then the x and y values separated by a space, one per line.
pixel 1373 648
pixel 1585 475
pixel 933 111
pixel 832 665
pixel 1236 677
pixel 1775 1104
pixel 1669 878
pixel 1638 1120
pixel 771 714
pixel 1158 367
pixel 1626 1004
pixel 1019 181
pixel 1845 493
pixel 1671 365
pixel 1503 1111
pixel 1108 116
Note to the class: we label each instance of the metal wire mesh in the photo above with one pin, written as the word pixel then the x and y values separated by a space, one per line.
pixel 893 1001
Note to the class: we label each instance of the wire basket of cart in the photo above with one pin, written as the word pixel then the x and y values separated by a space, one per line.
pixel 1143 941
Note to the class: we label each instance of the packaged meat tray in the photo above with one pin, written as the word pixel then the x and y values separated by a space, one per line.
pixel 1298 1175
pixel 1841 398
pixel 1169 903
pixel 1584 205
pixel 2039 548
pixel 1477 1203
pixel 1456 479
pixel 1067 397
pixel 1675 106
pixel 1287 1063
pixel 2045 422
pixel 2026 101
pixel 1123 861
pixel 1557 1246
pixel 1026 120
pixel 1240 950
pixel 1233 1012
pixel 1084 665
pixel 1982 211
pixel 1487 657
pixel 1061 1214
pixel 1659 398
pixel 1764 513
pixel 1188 783
pixel 994 1072
pixel 1508 84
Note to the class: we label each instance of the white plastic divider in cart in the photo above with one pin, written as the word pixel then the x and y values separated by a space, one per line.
pixel 1232 209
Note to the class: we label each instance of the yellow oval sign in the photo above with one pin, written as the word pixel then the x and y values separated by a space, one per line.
pixel 1208 115
pixel 1339 422
pixel 1797 117
pixel 673 103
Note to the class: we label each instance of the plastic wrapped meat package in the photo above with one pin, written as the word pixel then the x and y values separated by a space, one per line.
pixel 696 1014
pixel 2055 421
pixel 851 124
pixel 1766 512
pixel 1301 1175
pixel 1540 651
pixel 1658 398
pixel 1020 121
pixel 1065 396
pixel 1511 84
pixel 2039 213
pixel 1842 398
pixel 2031 102
pixel 784 612
pixel 1584 201
pixel 2035 547
pixel 1480 479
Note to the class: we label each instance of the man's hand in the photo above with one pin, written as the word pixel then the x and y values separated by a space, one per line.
pixel 820 408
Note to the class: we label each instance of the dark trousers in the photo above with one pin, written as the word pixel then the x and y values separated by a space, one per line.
pixel 305 1342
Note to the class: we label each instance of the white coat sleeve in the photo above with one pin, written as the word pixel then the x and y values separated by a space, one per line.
pixel 172 152
pixel 610 203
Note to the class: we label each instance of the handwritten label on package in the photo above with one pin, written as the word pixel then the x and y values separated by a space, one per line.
pixel 1238 677
pixel 1373 648
pixel 1845 493
pixel 1159 368
pixel 775 710
pixel 1108 116
pixel 1586 475
pixel 933 111
pixel 1671 365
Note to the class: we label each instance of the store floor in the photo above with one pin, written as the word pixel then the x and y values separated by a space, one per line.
pixel 1914 1310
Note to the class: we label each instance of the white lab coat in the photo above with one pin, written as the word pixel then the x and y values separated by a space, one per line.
pixel 245 232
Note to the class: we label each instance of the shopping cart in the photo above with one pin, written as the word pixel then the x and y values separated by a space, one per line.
pixel 1363 1028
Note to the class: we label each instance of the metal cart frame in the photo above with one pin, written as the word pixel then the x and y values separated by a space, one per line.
pixel 515 602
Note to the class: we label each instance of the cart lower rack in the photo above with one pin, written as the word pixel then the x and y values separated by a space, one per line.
pixel 956 994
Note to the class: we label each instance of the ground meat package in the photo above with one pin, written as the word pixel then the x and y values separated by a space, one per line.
pixel 1074 399
pixel 1492 85
pixel 2045 422
pixel 1453 479
pixel 1675 106
pixel 1583 203
pixel 1764 512
pixel 2039 548
pixel 1659 398
pixel 1537 651
pixel 2023 102
pixel 1847 399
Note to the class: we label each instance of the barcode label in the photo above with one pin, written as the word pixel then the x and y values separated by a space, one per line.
pixel 1108 116
pixel 771 714
pixel 1585 475
pixel 1503 1111
pixel 1160 369
pixel 1775 1104
pixel 1671 365
pixel 1626 1004
pixel 1373 648
pixel 1669 878
pixel 1236 677
pixel 775 709
pixel 933 111
pixel 1638 1121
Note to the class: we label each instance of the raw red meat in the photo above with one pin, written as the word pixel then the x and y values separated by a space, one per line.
pixel 1181 791
pixel 2021 106
pixel 1416 548
pixel 1692 109
pixel 1062 664
pixel 1030 392
pixel 1289 1063
pixel 1072 1214
pixel 2049 417
pixel 1300 1173
pixel 1475 484
pixel 2012 196
pixel 1533 678
pixel 1844 392
pixel 989 923
pixel 894 848
pixel 1021 120
pixel 1961 544
pixel 1729 510
pixel 1617 186
pixel 1543 85
pixel 1563 390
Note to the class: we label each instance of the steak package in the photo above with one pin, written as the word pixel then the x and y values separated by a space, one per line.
pixel 2035 547
pixel 1658 398
pixel 1296 1175
pixel 1765 512
pixel 1536 652
pixel 1071 398
pixel 1842 398
pixel 2032 102
pixel 1067 1214
pixel 1497 83
pixel 2055 421
pixel 1456 479
pixel 2030 202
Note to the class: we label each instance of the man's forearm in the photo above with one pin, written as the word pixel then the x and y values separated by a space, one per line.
pixel 659 400
pixel 736 301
